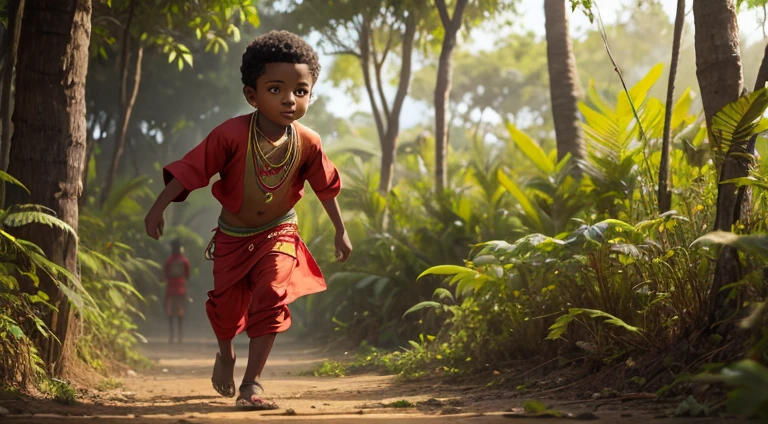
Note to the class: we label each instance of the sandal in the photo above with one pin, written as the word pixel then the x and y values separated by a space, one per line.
pixel 254 402
pixel 224 388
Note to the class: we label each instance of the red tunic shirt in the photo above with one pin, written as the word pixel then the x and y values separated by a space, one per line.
pixel 225 150
pixel 176 272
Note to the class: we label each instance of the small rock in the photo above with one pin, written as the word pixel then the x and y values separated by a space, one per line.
pixel 290 411
pixel 326 404
pixel 313 407
pixel 165 369
pixel 4 412
pixel 131 373
pixel 596 395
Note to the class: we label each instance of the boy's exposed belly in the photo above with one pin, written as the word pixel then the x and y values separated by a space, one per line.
pixel 255 212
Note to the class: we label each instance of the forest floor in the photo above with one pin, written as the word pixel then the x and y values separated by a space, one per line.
pixel 177 389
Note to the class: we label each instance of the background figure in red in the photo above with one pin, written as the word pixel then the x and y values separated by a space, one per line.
pixel 176 272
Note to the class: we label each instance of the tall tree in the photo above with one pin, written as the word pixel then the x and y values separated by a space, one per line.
pixel 665 195
pixel 48 149
pixel 166 25
pixel 371 32
pixel 564 84
pixel 451 26
pixel 719 72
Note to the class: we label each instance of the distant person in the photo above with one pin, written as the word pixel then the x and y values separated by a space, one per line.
pixel 176 272
pixel 260 264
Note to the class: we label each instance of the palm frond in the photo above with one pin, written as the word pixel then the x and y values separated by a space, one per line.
pixel 7 178
pixel 737 121
pixel 28 215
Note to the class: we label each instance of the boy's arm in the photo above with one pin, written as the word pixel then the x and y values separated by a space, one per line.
pixel 342 242
pixel 154 222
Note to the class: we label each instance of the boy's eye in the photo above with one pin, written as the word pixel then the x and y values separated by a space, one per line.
pixel 302 92
pixel 273 90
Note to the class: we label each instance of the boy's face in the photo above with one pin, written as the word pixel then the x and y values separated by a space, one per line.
pixel 282 92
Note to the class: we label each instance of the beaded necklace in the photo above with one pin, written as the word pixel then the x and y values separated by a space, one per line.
pixel 265 169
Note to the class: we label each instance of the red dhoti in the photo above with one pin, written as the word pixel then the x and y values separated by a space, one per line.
pixel 255 277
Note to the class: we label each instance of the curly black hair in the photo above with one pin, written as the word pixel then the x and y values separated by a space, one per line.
pixel 274 47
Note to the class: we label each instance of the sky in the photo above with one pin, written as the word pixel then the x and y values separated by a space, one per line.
pixel 531 18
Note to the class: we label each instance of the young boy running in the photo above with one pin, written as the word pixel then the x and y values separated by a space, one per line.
pixel 260 264
pixel 176 272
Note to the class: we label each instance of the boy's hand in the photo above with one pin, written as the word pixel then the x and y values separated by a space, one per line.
pixel 343 246
pixel 154 223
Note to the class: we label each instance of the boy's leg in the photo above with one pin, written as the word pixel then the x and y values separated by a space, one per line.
pixel 267 316
pixel 258 351
pixel 170 327
pixel 227 312
pixel 181 321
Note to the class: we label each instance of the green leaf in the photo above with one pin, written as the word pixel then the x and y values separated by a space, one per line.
pixel 530 211
pixel 5 177
pixel 172 56
pixel 17 331
pixel 25 217
pixel 753 244
pixel 534 407
pixel 530 149
pixel 422 305
pixel 561 324
pixel 737 121
pixel 446 270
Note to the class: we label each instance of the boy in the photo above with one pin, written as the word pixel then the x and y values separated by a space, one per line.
pixel 176 272
pixel 260 263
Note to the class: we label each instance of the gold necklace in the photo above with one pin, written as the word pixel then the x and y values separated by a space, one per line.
pixel 262 165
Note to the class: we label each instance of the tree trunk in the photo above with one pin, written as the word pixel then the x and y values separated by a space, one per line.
pixel 16 14
pixel 665 194
pixel 563 83
pixel 451 25
pixel 718 69
pixel 48 149
pixel 126 108
pixel 389 143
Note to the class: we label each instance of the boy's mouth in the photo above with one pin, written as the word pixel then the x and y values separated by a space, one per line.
pixel 288 114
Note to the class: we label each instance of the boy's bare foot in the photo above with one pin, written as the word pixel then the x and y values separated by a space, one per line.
pixel 250 398
pixel 223 379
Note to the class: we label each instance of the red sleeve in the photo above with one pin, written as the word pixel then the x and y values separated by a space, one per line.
pixel 321 173
pixel 204 161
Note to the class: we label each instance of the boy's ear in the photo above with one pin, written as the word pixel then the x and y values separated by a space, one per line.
pixel 250 95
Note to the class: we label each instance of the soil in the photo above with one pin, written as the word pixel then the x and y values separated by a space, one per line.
pixel 177 389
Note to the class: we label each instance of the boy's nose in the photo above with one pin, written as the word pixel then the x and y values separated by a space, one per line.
pixel 289 100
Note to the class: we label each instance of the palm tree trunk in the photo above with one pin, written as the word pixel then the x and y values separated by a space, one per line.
pixel 563 83
pixel 718 69
pixel 451 25
pixel 665 195
pixel 48 149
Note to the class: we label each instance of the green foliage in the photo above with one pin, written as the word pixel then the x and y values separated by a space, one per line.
pixel 24 304
pixel 61 391
pixel 750 381
pixel 168 25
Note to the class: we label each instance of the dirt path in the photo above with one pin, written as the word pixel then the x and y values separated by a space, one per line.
pixel 178 391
